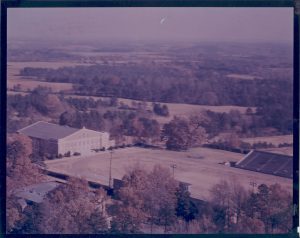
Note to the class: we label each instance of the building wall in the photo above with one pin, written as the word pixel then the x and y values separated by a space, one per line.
pixel 41 146
pixel 49 146
pixel 36 146
pixel 84 141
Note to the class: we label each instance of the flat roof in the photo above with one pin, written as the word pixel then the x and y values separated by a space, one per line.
pixel 46 130
pixel 36 192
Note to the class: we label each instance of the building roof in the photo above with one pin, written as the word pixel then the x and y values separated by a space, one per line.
pixel 268 163
pixel 37 192
pixel 46 130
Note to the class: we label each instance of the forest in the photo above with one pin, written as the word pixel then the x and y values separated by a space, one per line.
pixel 164 83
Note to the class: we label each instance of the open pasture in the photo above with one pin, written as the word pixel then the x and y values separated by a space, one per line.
pixel 275 140
pixel 29 83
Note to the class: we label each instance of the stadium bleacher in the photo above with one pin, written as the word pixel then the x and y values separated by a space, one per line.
pixel 268 163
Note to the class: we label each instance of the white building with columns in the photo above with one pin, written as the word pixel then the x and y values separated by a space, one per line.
pixel 53 139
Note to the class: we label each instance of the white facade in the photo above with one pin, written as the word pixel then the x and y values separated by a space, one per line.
pixel 53 139
pixel 84 141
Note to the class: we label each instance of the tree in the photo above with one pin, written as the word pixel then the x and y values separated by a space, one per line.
pixel 181 134
pixel 147 128
pixel 210 98
pixel 73 208
pixel 201 225
pixel 113 102
pixel 250 225
pixel 29 221
pixel 160 110
pixel 54 105
pixel 228 199
pixel 130 213
pixel 38 99
pixel 220 200
pixel 146 197
pixel 21 172
pixel 127 220
pixel 272 205
pixel 13 213
pixel 269 210
pixel 185 207
pixel 232 140
pixel 161 197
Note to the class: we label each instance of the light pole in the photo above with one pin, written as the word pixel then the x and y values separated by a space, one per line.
pixel 110 160
pixel 173 166
pixel 253 184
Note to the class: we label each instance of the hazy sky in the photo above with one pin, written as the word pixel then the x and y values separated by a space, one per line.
pixel 192 24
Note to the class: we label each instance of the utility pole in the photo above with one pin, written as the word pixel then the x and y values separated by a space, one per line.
pixel 173 166
pixel 110 160
pixel 253 184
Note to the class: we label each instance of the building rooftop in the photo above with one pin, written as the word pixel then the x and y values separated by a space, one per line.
pixel 268 163
pixel 37 192
pixel 46 130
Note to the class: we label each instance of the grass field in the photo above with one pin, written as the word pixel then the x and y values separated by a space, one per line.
pixel 242 76
pixel 29 83
pixel 275 140
pixel 198 166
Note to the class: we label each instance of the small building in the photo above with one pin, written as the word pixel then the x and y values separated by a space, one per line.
pixel 35 193
pixel 268 163
pixel 53 139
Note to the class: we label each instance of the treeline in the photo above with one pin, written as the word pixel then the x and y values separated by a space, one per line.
pixel 251 123
pixel 38 100
pixel 166 83
pixel 84 104
pixel 44 55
